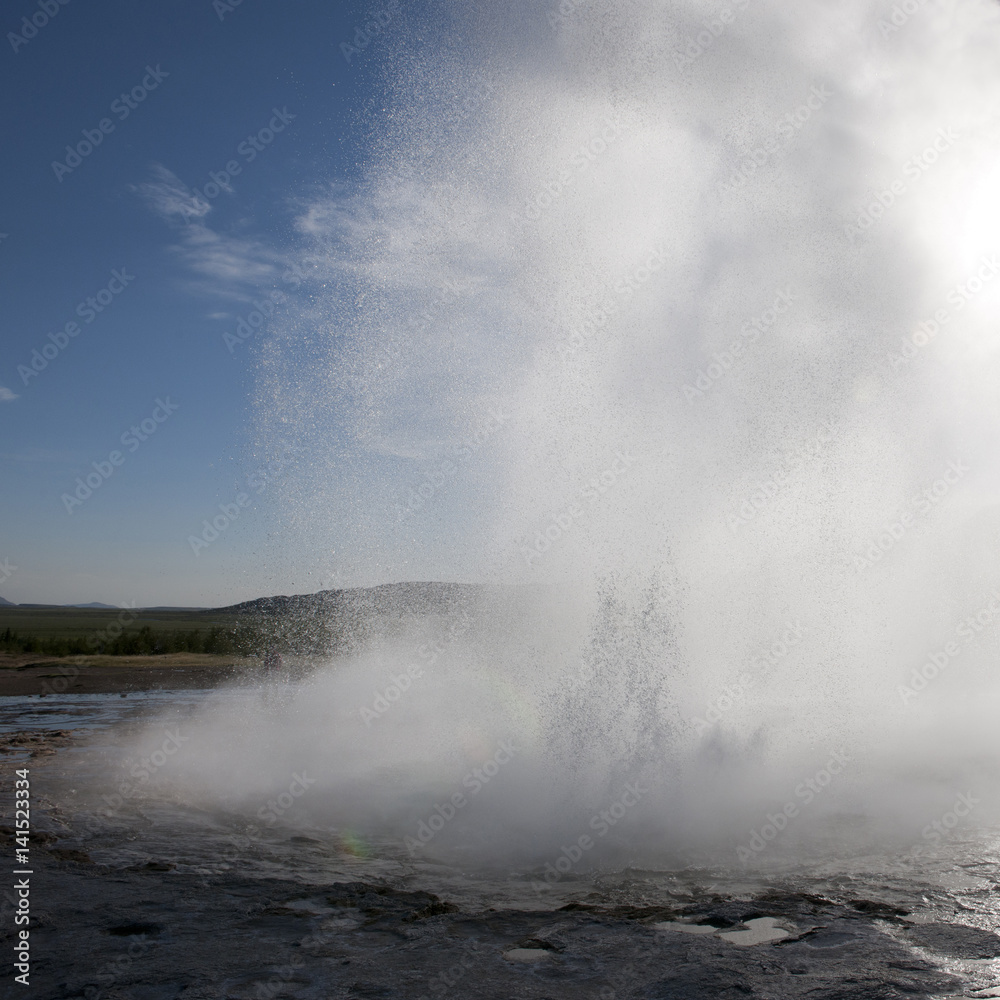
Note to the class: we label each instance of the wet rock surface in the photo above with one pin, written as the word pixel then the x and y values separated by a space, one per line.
pixel 956 940
pixel 150 900
pixel 150 932
pixel 35 743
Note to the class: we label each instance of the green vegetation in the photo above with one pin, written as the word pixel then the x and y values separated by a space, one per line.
pixel 66 623
pixel 82 632
pixel 143 641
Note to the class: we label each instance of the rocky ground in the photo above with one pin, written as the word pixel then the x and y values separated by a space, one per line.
pixel 152 932
pixel 110 920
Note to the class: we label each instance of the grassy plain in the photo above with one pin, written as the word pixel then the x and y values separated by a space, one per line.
pixel 70 623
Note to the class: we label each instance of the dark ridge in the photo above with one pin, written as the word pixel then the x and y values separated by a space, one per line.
pixel 416 598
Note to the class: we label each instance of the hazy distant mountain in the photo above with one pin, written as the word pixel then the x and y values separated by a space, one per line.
pixel 389 599
pixel 95 604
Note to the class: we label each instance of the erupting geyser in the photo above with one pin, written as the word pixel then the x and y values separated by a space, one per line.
pixel 677 328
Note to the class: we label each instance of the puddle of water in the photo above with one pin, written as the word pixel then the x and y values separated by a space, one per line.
pixel 760 930
pixel 677 925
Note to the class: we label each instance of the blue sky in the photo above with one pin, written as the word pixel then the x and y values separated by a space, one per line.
pixel 293 292
pixel 171 266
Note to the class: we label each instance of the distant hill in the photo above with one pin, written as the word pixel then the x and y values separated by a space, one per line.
pixel 339 620
pixel 165 607
pixel 400 598
pixel 412 598
pixel 95 604
pixel 328 622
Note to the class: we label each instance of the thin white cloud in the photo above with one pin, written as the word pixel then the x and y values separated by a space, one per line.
pixel 6 396
pixel 229 266
pixel 168 196
pixel 225 258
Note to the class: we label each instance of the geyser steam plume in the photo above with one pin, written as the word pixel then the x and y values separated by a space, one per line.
pixel 685 313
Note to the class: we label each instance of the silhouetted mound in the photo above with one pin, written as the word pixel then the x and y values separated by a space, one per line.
pixel 390 598
pixel 341 621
